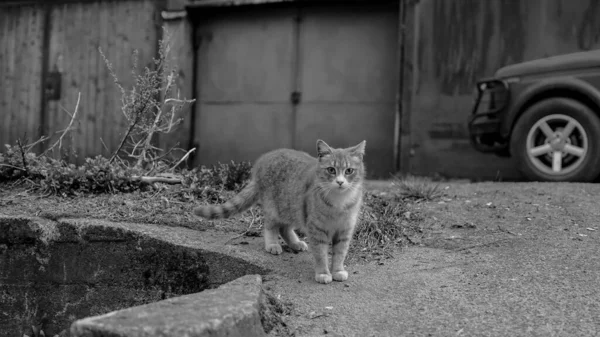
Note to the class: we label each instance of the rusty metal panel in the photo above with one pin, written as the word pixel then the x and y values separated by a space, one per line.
pixel 348 67
pixel 227 3
pixel 242 131
pixel 233 3
pixel 458 42
pixel 21 41
pixel 181 56
pixel 341 61
pixel 245 80
pixel 77 30
pixel 346 124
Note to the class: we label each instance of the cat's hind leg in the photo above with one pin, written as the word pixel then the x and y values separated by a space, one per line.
pixel 291 238
pixel 271 234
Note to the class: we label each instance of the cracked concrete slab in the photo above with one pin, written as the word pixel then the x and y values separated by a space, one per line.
pixel 231 310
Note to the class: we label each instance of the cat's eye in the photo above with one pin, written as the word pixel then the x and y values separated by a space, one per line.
pixel 331 170
pixel 349 171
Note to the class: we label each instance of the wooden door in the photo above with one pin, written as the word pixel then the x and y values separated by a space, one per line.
pixel 21 57
pixel 118 29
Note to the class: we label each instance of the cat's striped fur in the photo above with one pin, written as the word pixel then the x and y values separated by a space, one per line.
pixel 320 195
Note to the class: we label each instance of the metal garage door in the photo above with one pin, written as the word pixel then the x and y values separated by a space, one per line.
pixel 283 77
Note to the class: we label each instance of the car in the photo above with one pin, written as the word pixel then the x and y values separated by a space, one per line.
pixel 545 113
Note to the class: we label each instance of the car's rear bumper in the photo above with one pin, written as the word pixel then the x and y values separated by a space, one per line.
pixel 486 117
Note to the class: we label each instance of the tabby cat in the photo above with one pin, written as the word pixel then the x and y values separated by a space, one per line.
pixel 320 195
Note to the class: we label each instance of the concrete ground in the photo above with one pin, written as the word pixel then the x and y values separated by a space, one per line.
pixel 502 260
pixel 499 259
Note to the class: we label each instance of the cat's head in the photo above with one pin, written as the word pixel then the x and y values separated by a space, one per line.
pixel 340 169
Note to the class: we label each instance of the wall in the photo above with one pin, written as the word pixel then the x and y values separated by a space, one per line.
pixel 75 32
pixel 449 45
pixel 181 34
pixel 285 76
pixel 455 43
pixel 118 28
pixel 21 39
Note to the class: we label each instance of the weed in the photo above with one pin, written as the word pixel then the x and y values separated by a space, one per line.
pixel 385 224
pixel 149 106
pixel 230 177
pixel 417 188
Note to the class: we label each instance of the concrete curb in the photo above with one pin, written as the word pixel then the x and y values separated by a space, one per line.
pixel 226 263
pixel 237 308
pixel 234 309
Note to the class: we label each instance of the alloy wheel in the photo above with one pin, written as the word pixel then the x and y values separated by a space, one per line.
pixel 557 144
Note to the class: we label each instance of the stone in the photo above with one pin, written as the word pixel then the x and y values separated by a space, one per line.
pixel 230 310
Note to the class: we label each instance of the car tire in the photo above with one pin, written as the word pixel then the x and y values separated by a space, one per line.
pixel 557 139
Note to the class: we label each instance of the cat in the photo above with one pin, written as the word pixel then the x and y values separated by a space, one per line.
pixel 322 196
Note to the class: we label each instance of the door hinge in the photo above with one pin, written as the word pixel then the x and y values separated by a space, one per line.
pixel 295 97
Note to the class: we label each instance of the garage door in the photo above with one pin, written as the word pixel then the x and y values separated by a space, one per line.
pixel 284 77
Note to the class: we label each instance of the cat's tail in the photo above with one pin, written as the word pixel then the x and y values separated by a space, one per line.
pixel 241 202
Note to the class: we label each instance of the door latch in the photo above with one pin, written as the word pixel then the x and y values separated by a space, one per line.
pixel 295 97
pixel 53 85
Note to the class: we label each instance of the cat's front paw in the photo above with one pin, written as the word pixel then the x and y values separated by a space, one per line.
pixel 274 248
pixel 299 246
pixel 323 278
pixel 340 276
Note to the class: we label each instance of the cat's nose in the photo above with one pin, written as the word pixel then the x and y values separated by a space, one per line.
pixel 340 182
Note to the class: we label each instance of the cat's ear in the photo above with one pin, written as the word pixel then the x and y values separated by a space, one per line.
pixel 358 150
pixel 323 149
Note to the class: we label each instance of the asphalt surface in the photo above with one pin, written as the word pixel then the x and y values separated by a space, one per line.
pixel 499 259
pixel 529 266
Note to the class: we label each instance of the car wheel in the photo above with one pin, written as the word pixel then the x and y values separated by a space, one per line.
pixel 557 139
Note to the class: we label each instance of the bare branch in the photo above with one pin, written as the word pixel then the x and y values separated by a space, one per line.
pixel 112 72
pixel 41 140
pixel 23 156
pixel 150 134
pixel 152 180
pixel 104 145
pixel 131 126
pixel 168 152
pixel 183 158
pixel 67 129
pixel 179 101
pixel 149 107
pixel 14 167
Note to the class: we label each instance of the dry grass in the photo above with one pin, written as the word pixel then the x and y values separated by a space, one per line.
pixel 171 206
pixel 417 188
pixel 386 224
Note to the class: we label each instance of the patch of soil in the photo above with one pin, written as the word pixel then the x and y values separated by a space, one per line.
pixel 172 206
pixel 169 207
pixel 273 314
pixel 500 211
